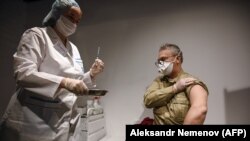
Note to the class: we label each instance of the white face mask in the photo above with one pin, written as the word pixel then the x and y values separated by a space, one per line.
pixel 65 26
pixel 165 68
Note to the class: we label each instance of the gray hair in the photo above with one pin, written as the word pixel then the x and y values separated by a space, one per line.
pixel 174 48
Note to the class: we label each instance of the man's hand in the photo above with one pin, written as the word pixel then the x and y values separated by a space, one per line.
pixel 181 84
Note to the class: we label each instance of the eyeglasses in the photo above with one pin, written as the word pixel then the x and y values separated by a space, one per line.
pixel 160 62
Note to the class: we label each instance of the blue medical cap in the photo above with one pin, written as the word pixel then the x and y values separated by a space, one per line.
pixel 57 9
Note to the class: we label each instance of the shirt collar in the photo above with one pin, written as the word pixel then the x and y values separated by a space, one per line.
pixel 56 39
pixel 173 80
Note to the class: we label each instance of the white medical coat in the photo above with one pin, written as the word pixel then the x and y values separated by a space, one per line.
pixel 39 110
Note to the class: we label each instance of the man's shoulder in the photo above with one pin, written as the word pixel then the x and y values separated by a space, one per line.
pixel 198 81
pixel 188 75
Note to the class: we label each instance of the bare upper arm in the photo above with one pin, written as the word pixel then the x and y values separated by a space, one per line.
pixel 198 96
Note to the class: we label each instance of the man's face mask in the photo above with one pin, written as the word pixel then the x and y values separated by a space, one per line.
pixel 165 68
pixel 65 26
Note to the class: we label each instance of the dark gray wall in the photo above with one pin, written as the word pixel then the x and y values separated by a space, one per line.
pixel 12 23
pixel 237 106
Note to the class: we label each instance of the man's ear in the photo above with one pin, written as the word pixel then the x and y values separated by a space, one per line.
pixel 178 59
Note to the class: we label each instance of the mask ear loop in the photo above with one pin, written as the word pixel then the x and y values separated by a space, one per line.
pixel 178 55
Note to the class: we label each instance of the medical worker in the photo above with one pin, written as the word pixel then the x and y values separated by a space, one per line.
pixel 49 74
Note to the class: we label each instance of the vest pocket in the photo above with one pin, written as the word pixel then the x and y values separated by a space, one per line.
pixel 178 108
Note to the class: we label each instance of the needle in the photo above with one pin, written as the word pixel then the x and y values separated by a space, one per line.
pixel 98 52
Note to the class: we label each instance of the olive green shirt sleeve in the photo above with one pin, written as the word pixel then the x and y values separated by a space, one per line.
pixel 157 95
